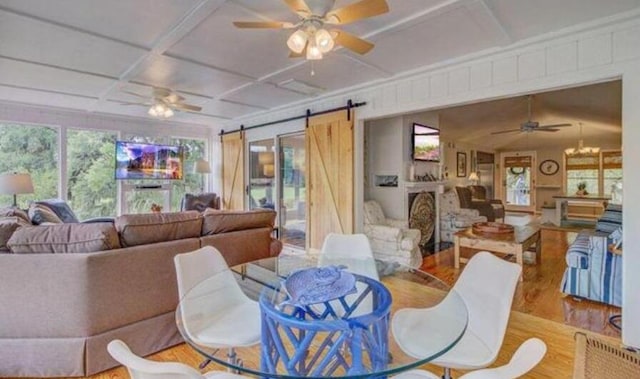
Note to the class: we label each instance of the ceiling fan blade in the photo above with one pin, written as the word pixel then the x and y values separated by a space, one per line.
pixel 554 126
pixel 300 7
pixel 351 42
pixel 187 107
pixel 507 131
pixel 357 11
pixel 174 98
pixel 130 103
pixel 134 94
pixel 544 130
pixel 263 24
pixel 161 92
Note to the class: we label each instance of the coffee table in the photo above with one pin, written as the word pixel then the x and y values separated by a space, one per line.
pixel 516 243
pixel 295 345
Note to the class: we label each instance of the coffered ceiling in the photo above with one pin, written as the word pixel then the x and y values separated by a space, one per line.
pixel 80 54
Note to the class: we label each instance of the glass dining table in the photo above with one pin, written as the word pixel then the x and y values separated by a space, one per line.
pixel 398 321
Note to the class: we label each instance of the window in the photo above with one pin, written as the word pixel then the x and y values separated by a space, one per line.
pixel 193 182
pixel 91 188
pixel 30 149
pixel 597 172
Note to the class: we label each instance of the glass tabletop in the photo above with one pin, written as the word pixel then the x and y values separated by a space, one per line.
pixel 400 320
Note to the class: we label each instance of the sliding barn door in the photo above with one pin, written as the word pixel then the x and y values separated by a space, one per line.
pixel 233 171
pixel 329 145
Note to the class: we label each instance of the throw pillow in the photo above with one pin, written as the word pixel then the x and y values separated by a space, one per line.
pixel 64 239
pixel 616 238
pixel 15 212
pixel 8 225
pixel 39 213
pixel 61 209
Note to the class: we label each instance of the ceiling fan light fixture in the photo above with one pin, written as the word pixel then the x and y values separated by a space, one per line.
pixel 297 41
pixel 160 110
pixel 324 41
pixel 313 51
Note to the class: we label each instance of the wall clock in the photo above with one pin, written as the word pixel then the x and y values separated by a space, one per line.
pixel 549 167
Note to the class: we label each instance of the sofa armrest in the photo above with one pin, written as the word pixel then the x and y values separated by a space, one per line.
pixel 400 224
pixel 467 212
pixel 584 248
pixel 485 208
pixel 382 232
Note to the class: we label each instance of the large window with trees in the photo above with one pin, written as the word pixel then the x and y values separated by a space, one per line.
pixel 91 188
pixel 88 163
pixel 594 174
pixel 30 149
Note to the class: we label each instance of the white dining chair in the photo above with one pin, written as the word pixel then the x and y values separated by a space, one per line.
pixel 141 368
pixel 486 286
pixel 528 355
pixel 354 252
pixel 351 250
pixel 215 311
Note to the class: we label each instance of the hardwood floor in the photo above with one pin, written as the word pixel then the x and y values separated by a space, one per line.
pixel 539 295
pixel 539 310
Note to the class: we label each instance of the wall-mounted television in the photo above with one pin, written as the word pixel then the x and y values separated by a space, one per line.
pixel 426 143
pixel 135 160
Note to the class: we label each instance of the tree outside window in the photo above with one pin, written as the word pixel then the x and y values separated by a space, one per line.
pixel 30 149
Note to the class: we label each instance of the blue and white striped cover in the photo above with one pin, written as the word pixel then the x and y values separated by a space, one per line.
pixel 611 219
pixel 600 280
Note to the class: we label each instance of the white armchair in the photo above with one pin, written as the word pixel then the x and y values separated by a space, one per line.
pixel 453 218
pixel 391 240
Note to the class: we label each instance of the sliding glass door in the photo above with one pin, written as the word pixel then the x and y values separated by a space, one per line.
pixel 292 184
pixel 261 174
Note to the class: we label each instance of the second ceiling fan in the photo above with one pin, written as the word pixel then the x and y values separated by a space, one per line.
pixel 311 38
pixel 533 126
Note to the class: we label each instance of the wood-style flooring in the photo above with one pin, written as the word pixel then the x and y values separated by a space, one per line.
pixel 539 310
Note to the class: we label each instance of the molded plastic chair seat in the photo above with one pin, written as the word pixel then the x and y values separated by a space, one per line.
pixel 528 355
pixel 215 311
pixel 486 285
pixel 141 368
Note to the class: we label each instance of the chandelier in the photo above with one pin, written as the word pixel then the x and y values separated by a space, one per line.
pixel 581 149
pixel 160 110
pixel 311 35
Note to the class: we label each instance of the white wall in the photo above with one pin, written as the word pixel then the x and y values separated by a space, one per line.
pixel 580 55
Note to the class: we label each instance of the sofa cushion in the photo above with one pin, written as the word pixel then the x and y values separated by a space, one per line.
pixel 216 221
pixel 40 213
pixel 64 238
pixel 15 212
pixel 142 229
pixel 8 225
pixel 611 219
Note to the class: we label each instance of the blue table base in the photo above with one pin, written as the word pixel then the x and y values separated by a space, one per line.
pixel 348 335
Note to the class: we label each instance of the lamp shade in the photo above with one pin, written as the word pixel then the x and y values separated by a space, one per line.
pixel 474 176
pixel 202 167
pixel 14 183
pixel 265 157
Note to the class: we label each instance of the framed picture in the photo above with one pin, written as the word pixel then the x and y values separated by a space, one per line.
pixel 461 165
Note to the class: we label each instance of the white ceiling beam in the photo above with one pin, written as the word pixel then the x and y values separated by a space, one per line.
pixel 187 23
pixel 480 9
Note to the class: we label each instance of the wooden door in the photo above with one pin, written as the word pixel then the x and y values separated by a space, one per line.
pixel 233 171
pixel 329 145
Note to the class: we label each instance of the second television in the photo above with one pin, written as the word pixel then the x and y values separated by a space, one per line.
pixel 426 143
pixel 135 160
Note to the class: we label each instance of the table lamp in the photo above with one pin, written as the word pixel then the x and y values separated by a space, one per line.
pixel 14 184
pixel 474 178
pixel 202 167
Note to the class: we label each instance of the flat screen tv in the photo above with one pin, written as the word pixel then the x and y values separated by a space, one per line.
pixel 135 160
pixel 426 143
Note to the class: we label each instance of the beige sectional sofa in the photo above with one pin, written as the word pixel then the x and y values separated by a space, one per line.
pixel 67 290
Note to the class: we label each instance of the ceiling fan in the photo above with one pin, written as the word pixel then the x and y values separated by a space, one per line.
pixel 163 102
pixel 533 126
pixel 311 39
